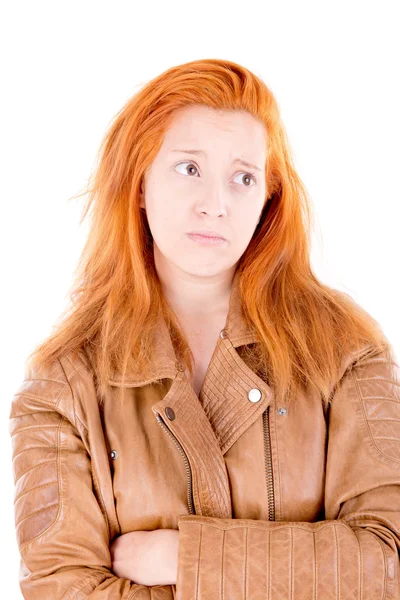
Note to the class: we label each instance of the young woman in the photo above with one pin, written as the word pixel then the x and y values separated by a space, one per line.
pixel 208 419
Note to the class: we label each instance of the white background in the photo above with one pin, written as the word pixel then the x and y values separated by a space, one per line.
pixel 67 69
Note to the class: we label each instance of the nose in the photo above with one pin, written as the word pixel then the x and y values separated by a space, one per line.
pixel 214 202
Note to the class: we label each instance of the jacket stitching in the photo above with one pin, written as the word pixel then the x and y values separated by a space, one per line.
pixel 222 566
pixel 245 371
pixel 237 428
pixel 35 512
pixel 198 563
pixel 138 588
pixel 380 379
pixel 226 377
pixel 75 369
pixel 28 379
pixel 202 484
pixel 388 419
pixel 335 524
pixel 131 381
pixel 205 487
pixel 315 526
pixel 367 516
pixel 337 563
pixel 315 584
pixel 386 398
pixel 382 547
pixel 81 422
pixel 95 477
pixel 70 389
pixel 104 510
pixel 34 427
pixel 245 375
pixel 34 488
pixel 46 400
pixel 84 583
pixel 60 498
pixel 207 490
pixel 371 437
pixel 25 414
pixel 43 462
pixel 33 447
pixel 291 562
pixel 201 489
pixel 360 563
pixel 229 384
pixel 246 531
pixel 69 380
pixel 269 566
pixel 211 492
pixel 68 358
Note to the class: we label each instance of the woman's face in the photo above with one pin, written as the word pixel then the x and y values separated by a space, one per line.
pixel 209 189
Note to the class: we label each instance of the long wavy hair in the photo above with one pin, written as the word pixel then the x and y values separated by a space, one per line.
pixel 305 326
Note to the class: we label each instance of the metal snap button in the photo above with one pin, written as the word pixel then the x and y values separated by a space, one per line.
pixel 170 413
pixel 114 454
pixel 180 366
pixel 223 333
pixel 254 395
pixel 282 410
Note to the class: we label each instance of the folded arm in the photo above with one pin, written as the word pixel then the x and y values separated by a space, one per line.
pixel 62 534
pixel 354 553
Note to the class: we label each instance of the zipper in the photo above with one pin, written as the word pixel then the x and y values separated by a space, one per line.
pixel 268 465
pixel 190 501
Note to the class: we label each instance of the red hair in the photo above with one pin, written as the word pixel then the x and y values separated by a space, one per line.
pixel 304 325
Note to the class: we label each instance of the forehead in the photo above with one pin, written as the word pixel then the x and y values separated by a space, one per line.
pixel 196 123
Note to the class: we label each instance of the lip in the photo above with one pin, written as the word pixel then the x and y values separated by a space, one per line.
pixel 207 233
pixel 206 240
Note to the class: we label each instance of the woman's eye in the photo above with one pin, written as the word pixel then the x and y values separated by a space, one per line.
pixel 186 170
pixel 189 170
pixel 248 176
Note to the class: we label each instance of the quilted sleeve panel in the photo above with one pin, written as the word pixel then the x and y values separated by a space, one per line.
pixel 61 531
pixel 253 560
pixel 36 430
pixel 377 382
pixel 354 552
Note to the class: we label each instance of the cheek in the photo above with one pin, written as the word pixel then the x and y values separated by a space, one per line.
pixel 246 220
pixel 167 221
pixel 245 223
pixel 162 209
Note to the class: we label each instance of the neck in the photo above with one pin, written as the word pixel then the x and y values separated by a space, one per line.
pixel 193 297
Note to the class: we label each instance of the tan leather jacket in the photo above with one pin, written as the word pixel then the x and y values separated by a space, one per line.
pixel 271 502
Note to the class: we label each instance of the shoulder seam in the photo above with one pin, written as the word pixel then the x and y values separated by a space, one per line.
pixel 361 399
pixel 70 387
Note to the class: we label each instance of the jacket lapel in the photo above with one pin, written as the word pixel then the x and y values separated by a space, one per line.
pixel 231 399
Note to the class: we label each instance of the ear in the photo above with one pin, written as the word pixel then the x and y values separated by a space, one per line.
pixel 142 202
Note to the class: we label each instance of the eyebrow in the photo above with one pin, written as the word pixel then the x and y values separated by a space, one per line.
pixel 236 160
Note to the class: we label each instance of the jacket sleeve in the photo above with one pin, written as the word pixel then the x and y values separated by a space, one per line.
pixel 62 534
pixel 354 553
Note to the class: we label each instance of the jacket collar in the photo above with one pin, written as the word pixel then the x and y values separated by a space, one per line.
pixel 164 362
